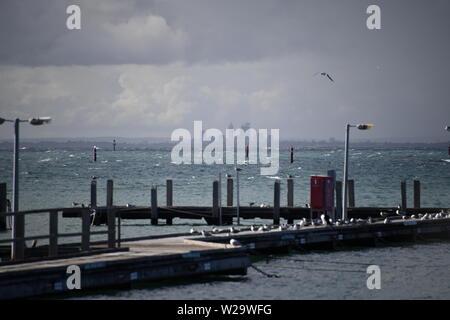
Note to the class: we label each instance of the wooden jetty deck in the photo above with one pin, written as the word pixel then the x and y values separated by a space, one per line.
pixel 177 256
pixel 143 260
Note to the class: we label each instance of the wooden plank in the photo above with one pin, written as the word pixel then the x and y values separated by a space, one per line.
pixel 169 198
pixel 85 230
pixel 290 197
pixel 154 202
pixel 53 233
pixel 403 195
pixel 276 202
pixel 351 193
pixel 229 191
pixel 338 199
pixel 215 202
pixel 3 205
pixel 416 194
pixel 111 214
pixel 93 193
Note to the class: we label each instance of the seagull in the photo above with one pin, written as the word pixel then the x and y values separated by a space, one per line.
pixel 386 221
pixel 296 227
pixel 383 214
pixel 215 230
pixel 325 75
pixel 252 228
pixel 129 205
pixel 206 233
pixel 192 231
pixel 369 220
pixel 233 230
pixel 324 220
pixel 234 242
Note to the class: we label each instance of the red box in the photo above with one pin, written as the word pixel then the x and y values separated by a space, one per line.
pixel 321 196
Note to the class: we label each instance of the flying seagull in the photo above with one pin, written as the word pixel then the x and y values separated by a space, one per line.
pixel 325 75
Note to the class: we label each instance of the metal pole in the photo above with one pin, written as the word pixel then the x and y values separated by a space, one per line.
pixel 220 198
pixel 237 194
pixel 17 228
pixel 345 180
pixel 16 168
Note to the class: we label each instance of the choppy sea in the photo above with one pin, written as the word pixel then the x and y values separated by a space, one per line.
pixel 56 178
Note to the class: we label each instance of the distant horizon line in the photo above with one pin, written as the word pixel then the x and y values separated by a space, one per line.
pixel 134 140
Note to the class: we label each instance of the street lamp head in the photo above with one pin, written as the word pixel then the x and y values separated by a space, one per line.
pixel 39 121
pixel 367 126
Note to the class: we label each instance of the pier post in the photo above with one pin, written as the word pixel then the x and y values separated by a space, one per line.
pixel 215 204
pixel 332 174
pixel 403 195
pixel 169 198
pixel 338 198
pixel 276 202
pixel 154 201
pixel 3 205
pixel 416 194
pixel 53 228
pixel 290 197
pixel 111 214
pixel 85 230
pixel 229 191
pixel 351 193
pixel 94 193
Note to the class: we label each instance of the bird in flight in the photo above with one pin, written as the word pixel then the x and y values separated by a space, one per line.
pixel 325 75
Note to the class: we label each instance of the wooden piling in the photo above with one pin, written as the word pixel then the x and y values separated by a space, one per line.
pixel 416 194
pixel 53 232
pixel 351 193
pixel 18 229
pixel 229 191
pixel 276 203
pixel 215 202
pixel 154 201
pixel 290 196
pixel 403 195
pixel 111 214
pixel 94 193
pixel 332 174
pixel 169 198
pixel 3 205
pixel 338 199
pixel 85 230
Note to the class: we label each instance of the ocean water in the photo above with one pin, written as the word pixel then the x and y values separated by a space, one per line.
pixel 56 178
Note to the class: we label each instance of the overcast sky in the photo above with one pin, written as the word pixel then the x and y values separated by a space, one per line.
pixel 144 68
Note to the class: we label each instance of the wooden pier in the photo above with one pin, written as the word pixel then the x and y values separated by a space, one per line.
pixel 143 260
pixel 175 256
pixel 113 261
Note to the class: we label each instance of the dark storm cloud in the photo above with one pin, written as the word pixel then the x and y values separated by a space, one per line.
pixel 158 32
pixel 171 62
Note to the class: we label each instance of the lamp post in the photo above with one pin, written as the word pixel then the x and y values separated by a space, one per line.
pixel 237 194
pixel 344 193
pixel 17 221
